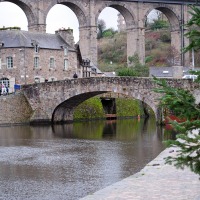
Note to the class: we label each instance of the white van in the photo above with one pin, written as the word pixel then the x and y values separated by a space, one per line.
pixel 190 76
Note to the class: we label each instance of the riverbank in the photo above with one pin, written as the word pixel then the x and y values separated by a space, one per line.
pixel 157 181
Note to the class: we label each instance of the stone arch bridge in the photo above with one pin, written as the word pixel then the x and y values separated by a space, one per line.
pixel 133 11
pixel 55 101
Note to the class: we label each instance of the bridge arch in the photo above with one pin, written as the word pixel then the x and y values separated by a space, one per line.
pixel 27 8
pixel 122 8
pixel 175 31
pixel 65 110
pixel 131 25
pixel 169 13
pixel 55 101
pixel 76 6
pixel 48 99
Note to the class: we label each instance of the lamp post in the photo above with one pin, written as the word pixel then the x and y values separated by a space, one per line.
pixel 192 58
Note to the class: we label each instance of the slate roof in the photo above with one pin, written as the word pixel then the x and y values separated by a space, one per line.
pixel 18 38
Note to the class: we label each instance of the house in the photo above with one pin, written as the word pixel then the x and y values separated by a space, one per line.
pixel 30 57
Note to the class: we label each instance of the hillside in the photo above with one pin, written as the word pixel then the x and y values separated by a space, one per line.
pixel 112 53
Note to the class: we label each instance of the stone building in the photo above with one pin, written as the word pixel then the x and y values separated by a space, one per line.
pixel 29 57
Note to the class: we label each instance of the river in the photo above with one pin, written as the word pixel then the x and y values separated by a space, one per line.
pixel 67 162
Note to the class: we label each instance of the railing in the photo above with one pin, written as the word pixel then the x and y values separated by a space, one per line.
pixel 165 1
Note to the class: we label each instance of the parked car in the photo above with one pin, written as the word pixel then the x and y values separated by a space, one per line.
pixel 190 76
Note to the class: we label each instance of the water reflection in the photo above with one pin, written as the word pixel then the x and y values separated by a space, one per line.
pixel 73 160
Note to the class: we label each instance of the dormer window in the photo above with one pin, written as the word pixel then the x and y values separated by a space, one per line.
pixel 34 43
pixel 36 48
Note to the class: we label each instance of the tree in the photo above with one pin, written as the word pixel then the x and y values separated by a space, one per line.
pixel 109 32
pixel 173 56
pixel 184 106
pixel 136 69
pixel 194 29
pixel 101 27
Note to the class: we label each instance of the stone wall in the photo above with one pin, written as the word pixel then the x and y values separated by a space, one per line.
pixel 14 109
pixel 56 101
pixel 22 68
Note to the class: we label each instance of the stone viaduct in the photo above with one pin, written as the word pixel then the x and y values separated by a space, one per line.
pixel 134 11
pixel 56 101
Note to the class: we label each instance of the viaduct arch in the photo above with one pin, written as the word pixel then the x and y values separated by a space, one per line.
pixel 134 12
pixel 56 101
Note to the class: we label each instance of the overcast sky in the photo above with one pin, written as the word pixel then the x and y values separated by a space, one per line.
pixel 58 17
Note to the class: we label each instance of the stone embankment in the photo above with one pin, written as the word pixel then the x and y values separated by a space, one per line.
pixel 14 109
pixel 157 181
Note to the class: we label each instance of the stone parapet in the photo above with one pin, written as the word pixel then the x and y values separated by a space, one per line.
pixel 14 109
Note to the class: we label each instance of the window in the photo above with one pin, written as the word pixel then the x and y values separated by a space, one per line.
pixel 37 80
pixel 52 63
pixel 9 61
pixel 36 48
pixel 65 64
pixel 36 62
pixel 65 51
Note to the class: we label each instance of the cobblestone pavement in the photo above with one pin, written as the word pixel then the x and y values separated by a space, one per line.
pixel 157 181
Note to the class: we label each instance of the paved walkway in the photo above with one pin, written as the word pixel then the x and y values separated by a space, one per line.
pixel 157 181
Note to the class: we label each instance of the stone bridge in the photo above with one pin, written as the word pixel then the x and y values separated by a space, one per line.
pixel 134 12
pixel 55 101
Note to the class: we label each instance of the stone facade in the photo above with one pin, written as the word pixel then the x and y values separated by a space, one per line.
pixel 134 13
pixel 57 60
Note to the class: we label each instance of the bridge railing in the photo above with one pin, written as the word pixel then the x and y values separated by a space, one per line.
pixel 165 1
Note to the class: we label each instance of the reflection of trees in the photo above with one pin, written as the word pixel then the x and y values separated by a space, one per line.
pixel 145 125
pixel 109 129
pixel 63 131
pixel 80 130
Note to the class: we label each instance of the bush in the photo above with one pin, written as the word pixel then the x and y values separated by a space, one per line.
pixel 89 109
pixel 165 37
pixel 128 107
pixel 127 72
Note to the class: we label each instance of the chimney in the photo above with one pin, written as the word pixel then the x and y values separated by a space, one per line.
pixel 67 35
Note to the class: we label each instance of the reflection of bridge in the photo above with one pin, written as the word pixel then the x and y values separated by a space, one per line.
pixel 134 12
pixel 56 101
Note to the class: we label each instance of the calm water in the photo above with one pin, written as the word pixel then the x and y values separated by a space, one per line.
pixel 71 161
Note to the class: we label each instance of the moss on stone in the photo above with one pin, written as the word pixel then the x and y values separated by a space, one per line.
pixel 93 109
pixel 89 109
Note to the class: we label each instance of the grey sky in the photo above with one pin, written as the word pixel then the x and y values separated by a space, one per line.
pixel 58 17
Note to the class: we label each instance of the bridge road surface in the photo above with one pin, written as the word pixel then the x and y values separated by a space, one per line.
pixel 156 181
